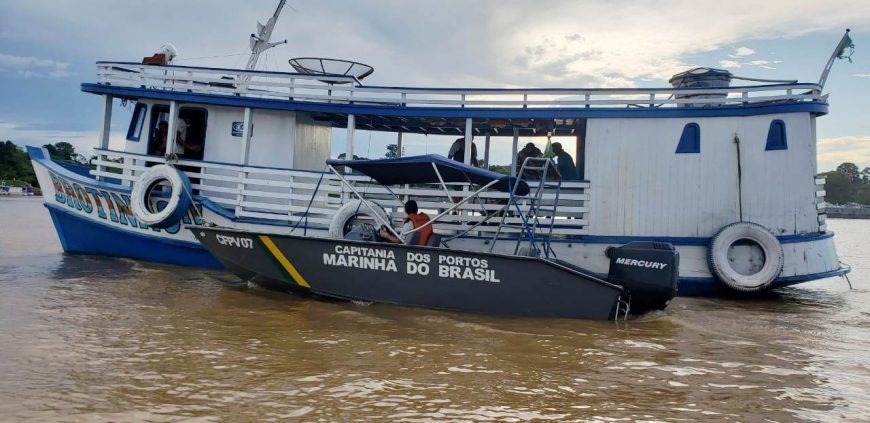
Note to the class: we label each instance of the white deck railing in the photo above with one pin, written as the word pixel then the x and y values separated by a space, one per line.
pixel 347 90
pixel 283 195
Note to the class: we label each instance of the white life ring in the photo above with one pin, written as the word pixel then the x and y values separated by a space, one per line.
pixel 178 200
pixel 352 209
pixel 721 267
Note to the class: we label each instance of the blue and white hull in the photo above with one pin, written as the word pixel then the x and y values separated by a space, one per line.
pixel 94 217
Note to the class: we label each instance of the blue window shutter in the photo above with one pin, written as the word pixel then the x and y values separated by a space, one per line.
pixel 137 122
pixel 776 139
pixel 690 140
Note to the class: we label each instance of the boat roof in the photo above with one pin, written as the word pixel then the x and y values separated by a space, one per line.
pixel 421 170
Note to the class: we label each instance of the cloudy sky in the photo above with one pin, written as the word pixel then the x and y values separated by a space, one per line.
pixel 47 48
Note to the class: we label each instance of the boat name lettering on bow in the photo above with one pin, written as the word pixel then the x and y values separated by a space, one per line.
pixel 234 241
pixel 641 263
pixel 466 268
pixel 111 206
pixel 361 258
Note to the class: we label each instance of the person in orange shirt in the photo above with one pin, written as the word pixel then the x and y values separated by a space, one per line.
pixel 415 219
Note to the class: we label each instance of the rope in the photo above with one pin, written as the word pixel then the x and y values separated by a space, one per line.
pixel 310 202
pixel 171 161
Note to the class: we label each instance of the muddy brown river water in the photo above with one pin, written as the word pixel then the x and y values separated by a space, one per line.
pixel 102 339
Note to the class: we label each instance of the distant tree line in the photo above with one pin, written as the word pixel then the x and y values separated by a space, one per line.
pixel 848 184
pixel 15 165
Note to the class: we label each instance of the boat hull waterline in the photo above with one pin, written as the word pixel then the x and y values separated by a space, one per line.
pixel 425 277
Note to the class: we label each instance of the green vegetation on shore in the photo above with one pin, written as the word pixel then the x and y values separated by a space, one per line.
pixel 15 165
pixel 848 184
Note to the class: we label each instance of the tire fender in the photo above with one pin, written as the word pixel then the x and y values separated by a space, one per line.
pixel 720 267
pixel 352 209
pixel 178 201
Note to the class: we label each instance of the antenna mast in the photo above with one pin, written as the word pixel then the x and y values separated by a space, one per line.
pixel 260 40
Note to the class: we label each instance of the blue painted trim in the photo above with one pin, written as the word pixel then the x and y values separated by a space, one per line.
pixel 458 112
pixel 74 167
pixel 708 287
pixel 783 239
pixel 681 241
pixel 776 136
pixel 39 155
pixel 215 207
pixel 70 170
pixel 84 236
pixel 138 115
pixel 690 139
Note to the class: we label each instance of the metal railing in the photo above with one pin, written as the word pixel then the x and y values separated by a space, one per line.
pixel 347 90
pixel 283 195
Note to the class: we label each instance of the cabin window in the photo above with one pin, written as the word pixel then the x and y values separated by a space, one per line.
pixel 192 131
pixel 137 122
pixel 690 140
pixel 776 139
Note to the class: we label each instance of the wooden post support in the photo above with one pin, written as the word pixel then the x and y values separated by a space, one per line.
pixel 514 151
pixel 351 128
pixel 173 127
pixel 105 129
pixel 247 130
pixel 246 135
pixel 468 135
pixel 486 152
pixel 400 145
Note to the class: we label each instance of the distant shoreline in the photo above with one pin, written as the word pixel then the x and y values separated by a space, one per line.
pixel 839 212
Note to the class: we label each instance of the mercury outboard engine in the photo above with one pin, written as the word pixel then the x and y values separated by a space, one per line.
pixel 649 271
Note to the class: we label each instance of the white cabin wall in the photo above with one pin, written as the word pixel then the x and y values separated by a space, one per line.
pixel 220 144
pixel 641 187
pixel 272 138
pixel 779 186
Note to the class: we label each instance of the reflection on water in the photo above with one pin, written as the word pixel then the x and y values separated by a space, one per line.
pixel 99 339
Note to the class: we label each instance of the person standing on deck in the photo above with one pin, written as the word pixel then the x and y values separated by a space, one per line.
pixel 414 220
pixel 565 163
pixel 457 152
pixel 530 150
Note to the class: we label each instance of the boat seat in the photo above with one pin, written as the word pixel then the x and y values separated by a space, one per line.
pixel 415 238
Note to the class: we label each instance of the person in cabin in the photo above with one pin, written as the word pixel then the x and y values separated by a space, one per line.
pixel 414 220
pixel 158 146
pixel 530 150
pixel 182 145
pixel 564 163
pixel 457 152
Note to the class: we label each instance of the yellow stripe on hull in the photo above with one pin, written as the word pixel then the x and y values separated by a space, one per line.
pixel 284 262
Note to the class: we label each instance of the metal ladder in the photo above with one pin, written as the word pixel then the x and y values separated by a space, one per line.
pixel 550 179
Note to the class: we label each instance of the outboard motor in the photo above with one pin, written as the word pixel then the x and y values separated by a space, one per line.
pixel 649 271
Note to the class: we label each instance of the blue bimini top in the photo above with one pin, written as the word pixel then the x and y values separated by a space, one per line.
pixel 420 170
